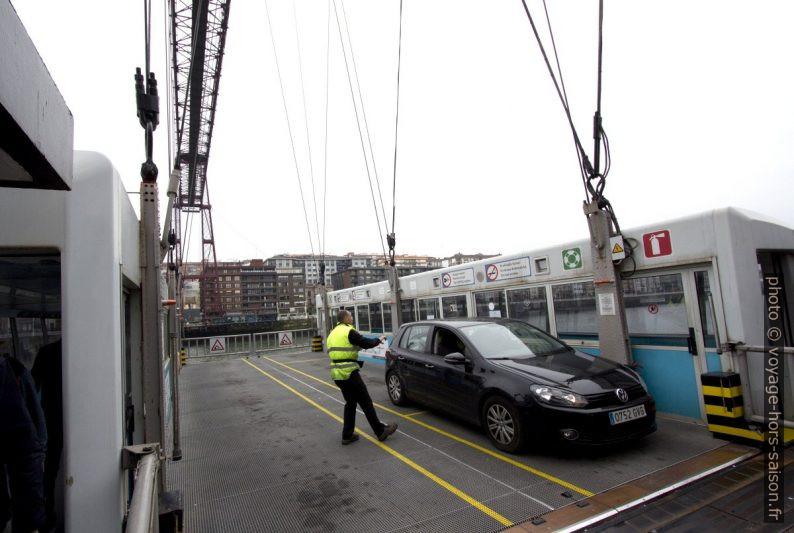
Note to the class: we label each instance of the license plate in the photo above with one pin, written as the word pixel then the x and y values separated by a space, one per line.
pixel 625 415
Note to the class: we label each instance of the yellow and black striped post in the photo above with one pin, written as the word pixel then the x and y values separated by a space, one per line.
pixel 317 344
pixel 722 395
pixel 183 356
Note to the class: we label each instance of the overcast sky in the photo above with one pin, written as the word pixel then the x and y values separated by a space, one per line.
pixel 698 104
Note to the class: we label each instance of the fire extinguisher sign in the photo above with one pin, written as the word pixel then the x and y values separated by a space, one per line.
pixel 657 243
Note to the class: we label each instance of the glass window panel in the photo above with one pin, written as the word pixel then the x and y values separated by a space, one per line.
pixel 428 309
pixel 574 309
pixel 30 296
pixel 415 338
pixel 529 305
pixel 706 306
pixel 6 342
pixel 446 342
pixel 387 325
pixel 375 318
pixel 512 340
pixel 454 306
pixel 490 304
pixel 408 310
pixel 363 317
pixel 655 307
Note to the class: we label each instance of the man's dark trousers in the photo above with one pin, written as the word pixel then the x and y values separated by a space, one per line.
pixel 355 392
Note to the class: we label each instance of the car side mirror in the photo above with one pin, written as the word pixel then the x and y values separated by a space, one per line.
pixel 455 358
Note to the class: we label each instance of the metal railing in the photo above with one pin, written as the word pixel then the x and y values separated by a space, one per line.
pixel 744 352
pixel 271 341
pixel 143 513
pixel 207 348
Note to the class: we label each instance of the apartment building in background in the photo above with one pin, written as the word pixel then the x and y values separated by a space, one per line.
pixel 353 277
pixel 459 259
pixel 285 286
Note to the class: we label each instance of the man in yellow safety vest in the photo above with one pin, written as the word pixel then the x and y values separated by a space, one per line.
pixel 343 344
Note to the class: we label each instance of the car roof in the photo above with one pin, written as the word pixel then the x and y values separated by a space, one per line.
pixel 461 322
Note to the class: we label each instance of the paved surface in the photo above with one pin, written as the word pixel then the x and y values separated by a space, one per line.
pixel 261 452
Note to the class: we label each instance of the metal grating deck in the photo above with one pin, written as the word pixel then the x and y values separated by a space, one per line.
pixel 259 457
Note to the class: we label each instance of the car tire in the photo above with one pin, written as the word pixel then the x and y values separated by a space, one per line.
pixel 503 425
pixel 396 388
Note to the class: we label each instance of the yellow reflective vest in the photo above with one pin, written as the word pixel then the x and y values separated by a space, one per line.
pixel 343 354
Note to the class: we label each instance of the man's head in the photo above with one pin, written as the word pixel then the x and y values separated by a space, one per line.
pixel 344 316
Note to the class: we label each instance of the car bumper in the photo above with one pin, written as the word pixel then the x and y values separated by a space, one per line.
pixel 589 426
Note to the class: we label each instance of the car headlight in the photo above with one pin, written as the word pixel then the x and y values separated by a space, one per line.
pixel 556 396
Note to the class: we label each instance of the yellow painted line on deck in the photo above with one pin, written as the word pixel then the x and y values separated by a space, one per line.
pixel 414 414
pixel 477 447
pixel 304 361
pixel 457 492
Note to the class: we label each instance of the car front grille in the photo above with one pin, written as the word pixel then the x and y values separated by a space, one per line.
pixel 610 399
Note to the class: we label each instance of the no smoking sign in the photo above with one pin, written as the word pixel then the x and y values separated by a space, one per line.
pixel 492 272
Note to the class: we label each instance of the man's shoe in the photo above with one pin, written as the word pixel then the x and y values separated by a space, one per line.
pixel 353 438
pixel 388 429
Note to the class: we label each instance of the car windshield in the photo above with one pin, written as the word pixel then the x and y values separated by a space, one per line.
pixel 511 340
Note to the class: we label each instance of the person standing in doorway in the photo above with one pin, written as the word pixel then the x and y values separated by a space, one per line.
pixel 343 344
pixel 22 449
pixel 48 377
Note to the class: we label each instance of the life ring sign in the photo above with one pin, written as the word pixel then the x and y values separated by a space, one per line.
pixel 653 309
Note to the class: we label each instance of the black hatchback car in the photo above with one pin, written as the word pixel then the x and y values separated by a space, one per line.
pixel 519 383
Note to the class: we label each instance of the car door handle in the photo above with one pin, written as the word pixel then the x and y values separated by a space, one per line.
pixel 400 358
pixel 428 365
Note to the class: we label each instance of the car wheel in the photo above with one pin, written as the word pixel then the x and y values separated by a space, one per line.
pixel 502 424
pixel 394 384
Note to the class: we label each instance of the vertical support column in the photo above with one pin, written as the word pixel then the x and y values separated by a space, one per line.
pixel 327 321
pixel 176 365
pixel 396 305
pixel 613 337
pixel 151 301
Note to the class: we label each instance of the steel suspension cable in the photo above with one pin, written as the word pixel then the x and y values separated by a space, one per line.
pixel 597 120
pixel 364 114
pixel 168 80
pixel 325 149
pixel 582 169
pixel 188 231
pixel 306 123
pixel 577 142
pixel 556 56
pixel 358 123
pixel 600 53
pixel 289 127
pixel 396 121
pixel 147 34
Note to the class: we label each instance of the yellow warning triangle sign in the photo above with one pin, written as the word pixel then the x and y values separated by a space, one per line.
pixel 617 249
